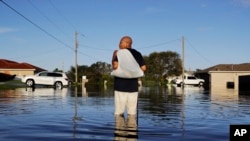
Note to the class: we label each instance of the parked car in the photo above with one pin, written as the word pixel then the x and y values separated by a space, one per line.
pixel 189 80
pixel 56 79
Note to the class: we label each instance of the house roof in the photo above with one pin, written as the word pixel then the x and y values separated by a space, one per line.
pixel 228 67
pixel 8 64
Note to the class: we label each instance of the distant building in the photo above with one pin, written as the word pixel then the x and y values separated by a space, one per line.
pixel 227 76
pixel 19 69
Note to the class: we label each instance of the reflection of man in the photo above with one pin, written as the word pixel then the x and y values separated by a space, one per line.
pixel 126 130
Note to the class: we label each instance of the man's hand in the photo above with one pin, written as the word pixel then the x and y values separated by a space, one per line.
pixel 114 63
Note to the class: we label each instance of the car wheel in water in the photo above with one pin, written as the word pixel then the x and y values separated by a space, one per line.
pixel 200 84
pixel 30 83
pixel 58 85
pixel 69 84
pixel 182 84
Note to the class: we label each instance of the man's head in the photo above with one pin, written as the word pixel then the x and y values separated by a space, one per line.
pixel 125 42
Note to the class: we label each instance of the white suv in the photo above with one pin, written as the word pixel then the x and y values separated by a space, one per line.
pixel 189 80
pixel 56 79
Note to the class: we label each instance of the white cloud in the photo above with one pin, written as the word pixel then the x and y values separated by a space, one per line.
pixel 203 29
pixel 203 5
pixel 152 10
pixel 6 30
pixel 244 3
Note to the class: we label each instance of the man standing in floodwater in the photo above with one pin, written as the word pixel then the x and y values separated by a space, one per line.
pixel 128 65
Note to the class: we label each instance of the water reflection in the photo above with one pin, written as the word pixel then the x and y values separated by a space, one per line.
pixel 43 91
pixel 158 101
pixel 76 117
pixel 23 100
pixel 164 113
pixel 220 94
pixel 125 129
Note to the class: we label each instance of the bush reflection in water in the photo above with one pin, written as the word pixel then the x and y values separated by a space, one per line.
pixel 169 113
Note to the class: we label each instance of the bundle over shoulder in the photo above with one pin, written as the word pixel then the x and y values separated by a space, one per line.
pixel 127 65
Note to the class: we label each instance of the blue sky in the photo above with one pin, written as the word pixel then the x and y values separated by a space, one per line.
pixel 215 31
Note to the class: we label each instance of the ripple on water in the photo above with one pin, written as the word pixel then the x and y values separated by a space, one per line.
pixel 45 114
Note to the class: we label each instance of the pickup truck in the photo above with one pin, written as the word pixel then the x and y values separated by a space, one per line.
pixel 189 80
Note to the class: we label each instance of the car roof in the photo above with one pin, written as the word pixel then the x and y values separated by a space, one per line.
pixel 51 72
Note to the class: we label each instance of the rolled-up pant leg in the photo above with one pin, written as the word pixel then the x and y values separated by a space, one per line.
pixel 132 103
pixel 120 102
pixel 125 100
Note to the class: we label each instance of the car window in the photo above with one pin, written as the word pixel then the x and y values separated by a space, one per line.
pixel 50 74
pixel 191 77
pixel 56 74
pixel 43 74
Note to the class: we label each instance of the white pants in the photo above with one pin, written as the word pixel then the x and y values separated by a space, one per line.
pixel 125 100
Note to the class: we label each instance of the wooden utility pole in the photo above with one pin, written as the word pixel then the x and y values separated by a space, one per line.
pixel 183 66
pixel 76 67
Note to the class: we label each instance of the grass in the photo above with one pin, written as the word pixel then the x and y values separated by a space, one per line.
pixel 11 84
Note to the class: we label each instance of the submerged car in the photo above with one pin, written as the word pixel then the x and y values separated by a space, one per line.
pixel 56 79
pixel 189 80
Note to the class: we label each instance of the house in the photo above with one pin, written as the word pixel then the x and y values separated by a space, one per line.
pixel 9 67
pixel 227 76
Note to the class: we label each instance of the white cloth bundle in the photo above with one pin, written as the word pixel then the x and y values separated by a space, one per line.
pixel 127 65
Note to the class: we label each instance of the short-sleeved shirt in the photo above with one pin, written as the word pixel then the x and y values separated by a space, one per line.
pixel 129 84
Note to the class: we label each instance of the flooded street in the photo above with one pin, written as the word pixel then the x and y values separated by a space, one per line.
pixel 170 114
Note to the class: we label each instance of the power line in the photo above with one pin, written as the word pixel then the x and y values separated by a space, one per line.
pixel 160 44
pixel 46 17
pixel 37 26
pixel 197 51
pixel 95 48
pixel 87 55
pixel 62 15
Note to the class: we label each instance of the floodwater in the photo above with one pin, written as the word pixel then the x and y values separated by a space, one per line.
pixel 168 114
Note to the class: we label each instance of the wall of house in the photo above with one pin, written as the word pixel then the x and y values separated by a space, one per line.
pixel 18 72
pixel 221 80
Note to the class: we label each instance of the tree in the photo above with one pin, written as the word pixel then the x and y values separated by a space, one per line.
pixel 162 64
pixel 159 66
pixel 82 70
pixel 100 71
pixel 96 73
pixel 57 70
pixel 101 68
